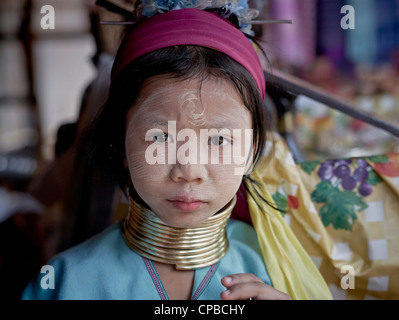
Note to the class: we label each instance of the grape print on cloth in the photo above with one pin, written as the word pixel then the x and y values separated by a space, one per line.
pixel 342 187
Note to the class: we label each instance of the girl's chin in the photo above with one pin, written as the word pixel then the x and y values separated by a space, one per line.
pixel 185 220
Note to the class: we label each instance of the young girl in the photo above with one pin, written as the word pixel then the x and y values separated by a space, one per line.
pixel 182 128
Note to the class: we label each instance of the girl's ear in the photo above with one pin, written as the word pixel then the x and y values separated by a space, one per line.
pixel 125 164
pixel 249 164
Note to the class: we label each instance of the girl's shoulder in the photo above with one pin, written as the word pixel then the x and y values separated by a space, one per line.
pixel 98 244
pixel 240 231
pixel 243 240
pixel 90 270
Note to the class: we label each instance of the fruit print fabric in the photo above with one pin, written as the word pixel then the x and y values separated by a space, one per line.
pixel 343 185
pixel 345 213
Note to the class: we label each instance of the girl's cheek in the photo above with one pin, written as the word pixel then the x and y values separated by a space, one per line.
pixel 136 164
pixel 225 176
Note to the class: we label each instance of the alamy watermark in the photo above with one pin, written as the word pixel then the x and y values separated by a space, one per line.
pixel 48 19
pixel 348 280
pixel 348 20
pixel 47 281
pixel 233 145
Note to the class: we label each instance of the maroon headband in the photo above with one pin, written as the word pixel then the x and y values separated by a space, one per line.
pixel 190 27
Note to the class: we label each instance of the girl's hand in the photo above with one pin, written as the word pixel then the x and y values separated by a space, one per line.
pixel 244 286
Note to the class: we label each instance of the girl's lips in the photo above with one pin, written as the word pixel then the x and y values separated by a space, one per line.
pixel 186 204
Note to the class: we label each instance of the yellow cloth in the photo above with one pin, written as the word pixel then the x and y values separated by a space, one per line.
pixel 338 228
pixel 289 265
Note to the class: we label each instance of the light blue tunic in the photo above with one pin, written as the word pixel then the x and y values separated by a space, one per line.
pixel 105 267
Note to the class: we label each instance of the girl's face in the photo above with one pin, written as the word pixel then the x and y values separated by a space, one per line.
pixel 187 145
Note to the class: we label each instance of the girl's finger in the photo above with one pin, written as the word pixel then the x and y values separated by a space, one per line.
pixel 253 290
pixel 233 279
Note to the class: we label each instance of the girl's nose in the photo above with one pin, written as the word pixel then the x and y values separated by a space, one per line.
pixel 188 173
pixel 188 166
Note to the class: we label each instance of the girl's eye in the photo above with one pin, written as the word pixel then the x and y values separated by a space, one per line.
pixel 219 141
pixel 161 137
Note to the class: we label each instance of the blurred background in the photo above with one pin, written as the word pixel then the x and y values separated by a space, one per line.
pixel 52 81
pixel 359 65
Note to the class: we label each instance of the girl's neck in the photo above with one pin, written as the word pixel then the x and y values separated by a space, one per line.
pixel 186 249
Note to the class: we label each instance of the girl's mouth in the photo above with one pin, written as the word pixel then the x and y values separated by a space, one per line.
pixel 186 203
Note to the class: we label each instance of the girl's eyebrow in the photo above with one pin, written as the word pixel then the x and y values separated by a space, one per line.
pixel 224 122
pixel 160 123
pixel 155 122
pixel 215 124
pixel 221 125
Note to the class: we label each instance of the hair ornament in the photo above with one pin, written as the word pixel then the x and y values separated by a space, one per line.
pixel 236 11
